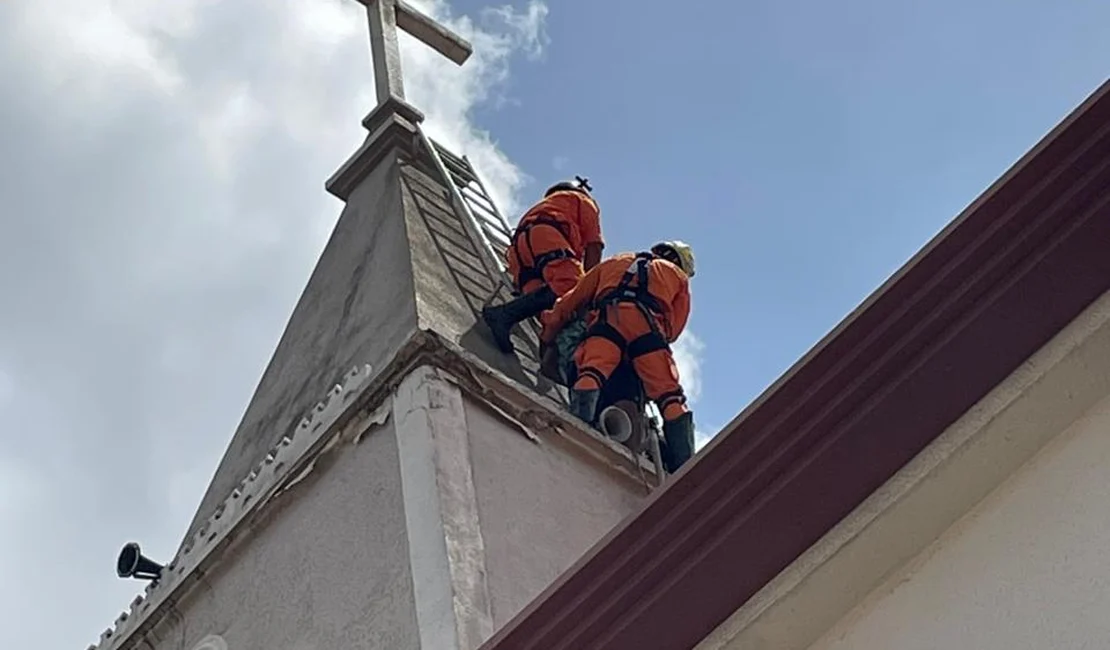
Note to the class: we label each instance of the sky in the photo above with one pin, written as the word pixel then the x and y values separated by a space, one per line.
pixel 162 169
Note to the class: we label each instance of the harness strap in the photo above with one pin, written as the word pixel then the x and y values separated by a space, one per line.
pixel 638 295
pixel 604 330
pixel 646 344
pixel 625 292
pixel 671 397
pixel 535 271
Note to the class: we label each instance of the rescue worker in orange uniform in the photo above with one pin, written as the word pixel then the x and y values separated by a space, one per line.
pixel 555 243
pixel 638 305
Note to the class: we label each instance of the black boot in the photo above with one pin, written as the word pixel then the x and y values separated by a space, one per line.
pixel 583 404
pixel 679 435
pixel 501 318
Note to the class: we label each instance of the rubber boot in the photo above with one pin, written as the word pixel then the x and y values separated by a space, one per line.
pixel 679 435
pixel 583 404
pixel 501 318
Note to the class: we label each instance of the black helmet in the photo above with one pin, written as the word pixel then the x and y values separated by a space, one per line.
pixel 579 184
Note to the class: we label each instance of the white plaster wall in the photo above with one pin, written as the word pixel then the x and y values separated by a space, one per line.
pixel 1027 568
pixel 347 316
pixel 328 569
pixel 541 507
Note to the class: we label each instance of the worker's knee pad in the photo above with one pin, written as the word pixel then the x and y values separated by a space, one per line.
pixel 589 379
pixel 674 411
pixel 672 404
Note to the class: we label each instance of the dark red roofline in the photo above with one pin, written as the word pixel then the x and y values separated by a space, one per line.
pixel 1012 270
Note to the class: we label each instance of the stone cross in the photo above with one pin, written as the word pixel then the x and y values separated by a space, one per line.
pixel 385 17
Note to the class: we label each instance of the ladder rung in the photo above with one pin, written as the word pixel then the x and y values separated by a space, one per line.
pixel 496 240
pixel 486 200
pixel 461 170
pixel 488 219
pixel 480 190
pixel 465 172
pixel 493 216
pixel 500 236
pixel 459 180
pixel 490 215
pixel 492 219
pixel 449 156
pixel 488 211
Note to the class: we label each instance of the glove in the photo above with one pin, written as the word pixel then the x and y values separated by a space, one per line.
pixel 547 333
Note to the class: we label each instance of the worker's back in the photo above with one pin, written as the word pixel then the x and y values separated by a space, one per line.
pixel 667 283
pixel 577 211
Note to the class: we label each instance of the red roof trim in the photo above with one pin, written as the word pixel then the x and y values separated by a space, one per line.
pixel 1019 264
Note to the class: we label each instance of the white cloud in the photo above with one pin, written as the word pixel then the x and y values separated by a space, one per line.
pixel 162 185
pixel 702 435
pixel 689 351
pixel 434 85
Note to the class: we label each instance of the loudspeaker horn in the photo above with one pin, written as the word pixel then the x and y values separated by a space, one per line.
pixel 616 424
pixel 133 564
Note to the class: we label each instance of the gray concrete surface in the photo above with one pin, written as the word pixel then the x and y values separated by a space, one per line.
pixel 541 506
pixel 400 259
pixel 358 307
pixel 427 532
pixel 328 569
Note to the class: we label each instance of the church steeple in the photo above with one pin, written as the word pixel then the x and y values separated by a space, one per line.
pixel 408 254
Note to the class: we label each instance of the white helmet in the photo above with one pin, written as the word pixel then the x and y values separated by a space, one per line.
pixel 683 254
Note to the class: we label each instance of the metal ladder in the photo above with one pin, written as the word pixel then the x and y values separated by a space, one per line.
pixel 492 227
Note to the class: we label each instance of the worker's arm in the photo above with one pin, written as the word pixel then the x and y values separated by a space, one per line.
pixel 680 308
pixel 589 225
pixel 593 255
pixel 568 305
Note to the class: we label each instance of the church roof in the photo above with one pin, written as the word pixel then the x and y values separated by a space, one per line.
pixel 1005 276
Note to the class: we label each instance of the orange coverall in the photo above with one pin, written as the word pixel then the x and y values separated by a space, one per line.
pixel 598 355
pixel 554 234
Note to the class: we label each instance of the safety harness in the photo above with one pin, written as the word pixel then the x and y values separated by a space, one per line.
pixel 649 306
pixel 535 271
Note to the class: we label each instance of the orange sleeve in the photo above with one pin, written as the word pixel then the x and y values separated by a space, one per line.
pixel 680 308
pixel 569 303
pixel 589 221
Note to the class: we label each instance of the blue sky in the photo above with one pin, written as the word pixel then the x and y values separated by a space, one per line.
pixel 805 149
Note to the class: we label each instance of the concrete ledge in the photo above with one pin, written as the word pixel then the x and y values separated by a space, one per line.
pixel 1055 387
pixel 389 108
pixel 534 413
pixel 393 131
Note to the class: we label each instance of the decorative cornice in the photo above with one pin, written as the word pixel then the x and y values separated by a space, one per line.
pixel 362 398
pixel 392 106
pixel 251 494
pixel 393 130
